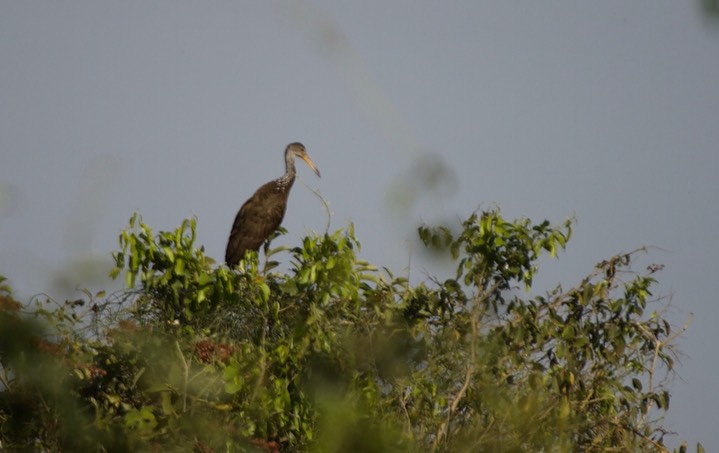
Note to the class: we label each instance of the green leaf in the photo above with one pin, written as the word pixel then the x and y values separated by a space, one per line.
pixel 129 280
pixel 637 384
pixel 180 266
pixel 264 291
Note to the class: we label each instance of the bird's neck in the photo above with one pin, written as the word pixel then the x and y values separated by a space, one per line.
pixel 289 177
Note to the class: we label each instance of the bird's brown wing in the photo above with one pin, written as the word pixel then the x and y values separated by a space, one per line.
pixel 256 220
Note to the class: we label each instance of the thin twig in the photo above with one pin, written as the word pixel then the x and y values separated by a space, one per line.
pixel 325 203
pixel 186 375
pixel 403 403
pixel 263 362
pixel 5 382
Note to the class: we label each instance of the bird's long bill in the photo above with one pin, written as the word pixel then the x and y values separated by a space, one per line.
pixel 312 165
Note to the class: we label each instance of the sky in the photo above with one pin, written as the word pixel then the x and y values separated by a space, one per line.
pixel 414 111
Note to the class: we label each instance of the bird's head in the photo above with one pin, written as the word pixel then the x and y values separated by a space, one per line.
pixel 298 150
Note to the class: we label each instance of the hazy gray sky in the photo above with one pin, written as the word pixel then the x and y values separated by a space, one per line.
pixel 413 110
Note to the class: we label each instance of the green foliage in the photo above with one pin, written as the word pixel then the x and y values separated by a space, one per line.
pixel 334 355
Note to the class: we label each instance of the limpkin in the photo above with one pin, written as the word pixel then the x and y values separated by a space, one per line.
pixel 262 214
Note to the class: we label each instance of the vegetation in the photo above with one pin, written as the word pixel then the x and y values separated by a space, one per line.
pixel 334 355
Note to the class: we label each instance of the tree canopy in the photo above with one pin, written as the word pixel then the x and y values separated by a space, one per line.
pixel 336 354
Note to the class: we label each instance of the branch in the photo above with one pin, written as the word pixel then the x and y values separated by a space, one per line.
pixel 658 344
pixel 403 404
pixel 444 427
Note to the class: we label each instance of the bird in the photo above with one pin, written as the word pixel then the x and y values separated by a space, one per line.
pixel 263 212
